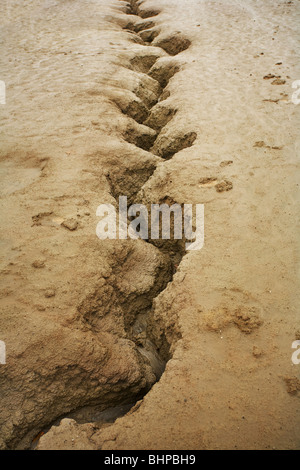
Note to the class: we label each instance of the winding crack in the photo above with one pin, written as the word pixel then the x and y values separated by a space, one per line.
pixel 148 118
pixel 145 133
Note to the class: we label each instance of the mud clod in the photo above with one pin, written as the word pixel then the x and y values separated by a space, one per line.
pixel 292 385
pixel 38 263
pixel 278 81
pixel 224 186
pixel 247 320
pixel 70 224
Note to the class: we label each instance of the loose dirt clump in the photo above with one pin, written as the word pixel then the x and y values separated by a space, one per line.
pixel 292 385
pixel 224 186
pixel 247 320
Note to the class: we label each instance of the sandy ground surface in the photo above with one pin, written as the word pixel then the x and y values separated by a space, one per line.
pixel 160 101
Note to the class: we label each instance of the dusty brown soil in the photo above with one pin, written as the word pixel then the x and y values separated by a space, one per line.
pixel 125 344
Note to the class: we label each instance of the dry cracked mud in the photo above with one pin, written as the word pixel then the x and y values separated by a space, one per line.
pixel 138 344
